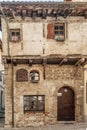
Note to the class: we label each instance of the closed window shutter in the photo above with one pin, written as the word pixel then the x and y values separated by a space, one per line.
pixel 50 29
pixel 22 75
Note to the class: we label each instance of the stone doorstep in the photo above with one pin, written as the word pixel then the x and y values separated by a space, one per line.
pixel 72 124
pixel 61 126
pixel 66 122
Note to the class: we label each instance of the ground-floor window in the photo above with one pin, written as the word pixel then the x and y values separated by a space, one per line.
pixel 34 103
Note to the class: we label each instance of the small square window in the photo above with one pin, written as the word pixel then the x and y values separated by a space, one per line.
pixel 59 31
pixel 15 35
pixel 61 27
pixel 56 27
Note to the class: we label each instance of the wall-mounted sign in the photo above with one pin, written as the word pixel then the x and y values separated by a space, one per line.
pixel 59 94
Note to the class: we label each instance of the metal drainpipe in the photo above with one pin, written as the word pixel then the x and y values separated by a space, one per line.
pixel 12 93
pixel 4 17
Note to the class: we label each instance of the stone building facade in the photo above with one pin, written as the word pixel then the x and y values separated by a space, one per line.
pixel 44 51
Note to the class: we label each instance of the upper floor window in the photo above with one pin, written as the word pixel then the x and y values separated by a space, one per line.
pixel 34 76
pixel 59 32
pixel 34 103
pixel 15 35
pixel 22 75
pixel 56 31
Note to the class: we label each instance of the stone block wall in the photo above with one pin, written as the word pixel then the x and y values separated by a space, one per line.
pixel 56 77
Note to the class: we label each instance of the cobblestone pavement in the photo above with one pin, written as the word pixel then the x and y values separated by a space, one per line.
pixel 66 126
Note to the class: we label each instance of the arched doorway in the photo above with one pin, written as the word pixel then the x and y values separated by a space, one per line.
pixel 66 104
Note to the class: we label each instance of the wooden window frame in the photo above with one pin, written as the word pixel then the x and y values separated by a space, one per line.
pixel 59 31
pixel 29 108
pixel 15 38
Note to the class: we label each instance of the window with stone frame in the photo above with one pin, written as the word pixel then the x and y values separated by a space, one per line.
pixel 22 75
pixel 56 31
pixel 34 76
pixel 15 35
pixel 34 103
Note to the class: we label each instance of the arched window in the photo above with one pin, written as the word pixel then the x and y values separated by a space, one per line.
pixel 22 75
pixel 34 76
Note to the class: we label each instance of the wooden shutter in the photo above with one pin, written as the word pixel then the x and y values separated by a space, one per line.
pixel 22 75
pixel 50 29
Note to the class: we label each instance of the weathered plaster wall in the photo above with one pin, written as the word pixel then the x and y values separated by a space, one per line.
pixel 56 77
pixel 33 41
pixel 34 35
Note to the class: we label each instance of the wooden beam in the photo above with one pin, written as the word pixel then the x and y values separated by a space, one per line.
pixel 50 59
pixel 54 10
pixel 14 62
pixel 80 61
pixel 63 60
pixel 86 15
pixel 30 61
pixel 44 61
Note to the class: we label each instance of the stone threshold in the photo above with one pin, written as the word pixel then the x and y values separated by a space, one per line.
pixel 66 122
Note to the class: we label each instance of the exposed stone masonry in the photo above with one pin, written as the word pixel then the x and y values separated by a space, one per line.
pixel 56 77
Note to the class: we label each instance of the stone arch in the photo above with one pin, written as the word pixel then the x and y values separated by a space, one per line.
pixel 34 75
pixel 72 88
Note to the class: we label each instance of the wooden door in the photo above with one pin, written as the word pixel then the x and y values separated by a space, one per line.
pixel 66 104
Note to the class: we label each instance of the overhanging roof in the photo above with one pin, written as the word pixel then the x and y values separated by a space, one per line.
pixel 44 9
